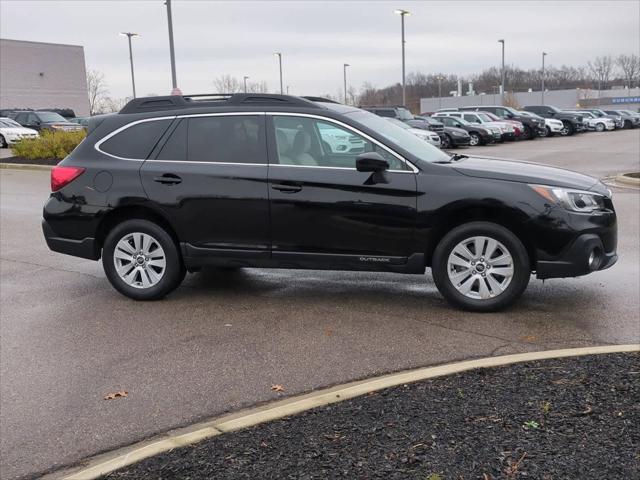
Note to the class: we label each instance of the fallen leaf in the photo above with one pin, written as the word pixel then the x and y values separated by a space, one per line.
pixel 328 332
pixel 277 388
pixel 529 338
pixel 114 395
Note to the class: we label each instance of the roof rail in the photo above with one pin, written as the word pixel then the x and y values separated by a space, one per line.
pixel 172 102
pixel 319 99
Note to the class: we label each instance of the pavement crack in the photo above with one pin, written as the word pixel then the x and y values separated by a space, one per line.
pixel 34 264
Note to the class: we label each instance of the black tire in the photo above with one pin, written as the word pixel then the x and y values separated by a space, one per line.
pixel 521 266
pixel 446 141
pixel 568 129
pixel 174 271
pixel 528 133
pixel 475 139
pixel 549 132
pixel 3 142
pixel 627 124
pixel 600 127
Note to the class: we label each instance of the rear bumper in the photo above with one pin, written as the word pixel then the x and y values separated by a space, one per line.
pixel 575 261
pixel 84 248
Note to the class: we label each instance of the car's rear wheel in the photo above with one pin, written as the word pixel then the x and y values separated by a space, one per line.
pixel 475 139
pixel 481 266
pixel 141 260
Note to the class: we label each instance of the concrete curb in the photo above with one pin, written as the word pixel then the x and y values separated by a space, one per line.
pixel 625 180
pixel 25 166
pixel 99 465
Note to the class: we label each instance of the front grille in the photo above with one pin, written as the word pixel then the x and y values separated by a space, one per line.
pixel 436 128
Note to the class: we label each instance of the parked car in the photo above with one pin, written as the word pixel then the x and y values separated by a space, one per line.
pixel 428 136
pixel 533 127
pixel 478 134
pixel 450 137
pixel 84 121
pixel 629 120
pixel 593 122
pixel 517 126
pixel 154 202
pixel 507 132
pixel 619 122
pixel 45 121
pixel 12 132
pixel 552 126
pixel 572 122
pixel 426 123
pixel 399 112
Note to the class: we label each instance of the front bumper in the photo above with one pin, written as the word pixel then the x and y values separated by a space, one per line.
pixel 585 255
pixel 84 248
pixel 460 141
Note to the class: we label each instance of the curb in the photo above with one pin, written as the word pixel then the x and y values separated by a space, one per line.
pixel 625 180
pixel 102 464
pixel 25 166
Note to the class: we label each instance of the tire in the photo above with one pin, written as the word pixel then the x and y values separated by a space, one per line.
pixel 446 142
pixel 527 134
pixel 147 279
pixel 627 125
pixel 3 142
pixel 475 139
pixel 500 290
pixel 600 127
pixel 549 133
pixel 568 129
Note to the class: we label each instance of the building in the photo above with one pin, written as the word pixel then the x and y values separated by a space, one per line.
pixel 43 75
pixel 626 99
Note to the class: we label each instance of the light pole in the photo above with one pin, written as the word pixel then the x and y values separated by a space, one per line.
pixel 133 79
pixel 502 72
pixel 402 14
pixel 279 55
pixel 344 68
pixel 174 81
pixel 544 54
pixel 439 91
pixel 245 83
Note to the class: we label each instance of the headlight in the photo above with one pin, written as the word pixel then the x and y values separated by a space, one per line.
pixel 57 127
pixel 573 200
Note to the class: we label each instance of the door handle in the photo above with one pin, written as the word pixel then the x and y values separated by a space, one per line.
pixel 168 179
pixel 287 187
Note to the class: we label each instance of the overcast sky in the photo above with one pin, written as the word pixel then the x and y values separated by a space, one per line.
pixel 316 38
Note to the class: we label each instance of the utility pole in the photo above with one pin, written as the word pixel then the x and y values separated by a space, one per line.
pixel 402 14
pixel 502 72
pixel 174 81
pixel 544 54
pixel 439 91
pixel 245 83
pixel 279 55
pixel 133 79
pixel 344 68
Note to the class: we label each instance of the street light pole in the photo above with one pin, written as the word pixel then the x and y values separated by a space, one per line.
pixel 439 91
pixel 402 14
pixel 133 79
pixel 502 72
pixel 344 68
pixel 245 83
pixel 174 81
pixel 544 54
pixel 279 55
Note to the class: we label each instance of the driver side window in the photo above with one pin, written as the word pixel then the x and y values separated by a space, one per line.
pixel 309 142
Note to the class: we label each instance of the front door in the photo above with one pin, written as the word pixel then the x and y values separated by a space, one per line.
pixel 323 211
pixel 209 175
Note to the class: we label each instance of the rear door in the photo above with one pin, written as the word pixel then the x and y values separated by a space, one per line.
pixel 326 213
pixel 209 175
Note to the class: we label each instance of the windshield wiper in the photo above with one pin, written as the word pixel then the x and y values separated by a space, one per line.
pixel 457 156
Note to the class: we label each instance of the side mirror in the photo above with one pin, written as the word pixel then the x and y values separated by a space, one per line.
pixel 371 162
pixel 509 115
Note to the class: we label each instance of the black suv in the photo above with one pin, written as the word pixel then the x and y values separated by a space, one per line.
pixel 572 122
pixel 173 184
pixel 533 127
pixel 51 121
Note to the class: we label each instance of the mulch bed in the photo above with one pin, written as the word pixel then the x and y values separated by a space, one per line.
pixel 576 418
pixel 22 160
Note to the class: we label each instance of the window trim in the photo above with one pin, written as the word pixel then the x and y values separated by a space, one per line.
pixel 412 168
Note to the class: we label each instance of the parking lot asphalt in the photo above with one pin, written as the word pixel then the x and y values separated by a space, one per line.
pixel 224 338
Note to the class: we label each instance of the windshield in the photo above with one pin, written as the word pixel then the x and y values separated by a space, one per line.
pixel 399 136
pixel 8 123
pixel 51 117
pixel 485 117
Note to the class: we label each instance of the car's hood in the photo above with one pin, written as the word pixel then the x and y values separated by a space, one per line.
pixel 525 172
pixel 455 130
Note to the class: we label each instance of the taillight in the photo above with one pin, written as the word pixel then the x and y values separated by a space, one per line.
pixel 63 176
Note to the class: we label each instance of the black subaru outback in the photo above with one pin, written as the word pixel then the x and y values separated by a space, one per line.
pixel 172 184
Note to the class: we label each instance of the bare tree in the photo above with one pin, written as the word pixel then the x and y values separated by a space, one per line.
pixel 111 105
pixel 227 84
pixel 258 87
pixel 601 68
pixel 97 88
pixel 630 67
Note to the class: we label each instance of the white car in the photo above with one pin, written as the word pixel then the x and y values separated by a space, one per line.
pixel 552 125
pixel 12 132
pixel 506 129
pixel 427 135
pixel 593 122
pixel 339 141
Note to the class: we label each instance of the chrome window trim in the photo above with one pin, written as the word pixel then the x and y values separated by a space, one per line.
pixel 413 168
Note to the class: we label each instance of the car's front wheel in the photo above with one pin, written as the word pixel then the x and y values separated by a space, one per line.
pixel 567 129
pixel 475 139
pixel 445 141
pixel 600 127
pixel 481 266
pixel 3 142
pixel 141 260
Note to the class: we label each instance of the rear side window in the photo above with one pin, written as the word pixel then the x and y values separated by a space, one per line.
pixel 137 141
pixel 175 148
pixel 231 139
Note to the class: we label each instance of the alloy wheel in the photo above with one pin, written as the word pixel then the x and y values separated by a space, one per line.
pixel 480 267
pixel 475 139
pixel 139 259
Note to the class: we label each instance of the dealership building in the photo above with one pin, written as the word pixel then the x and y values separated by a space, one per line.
pixel 43 75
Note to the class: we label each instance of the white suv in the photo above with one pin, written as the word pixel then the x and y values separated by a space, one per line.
pixel 12 132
